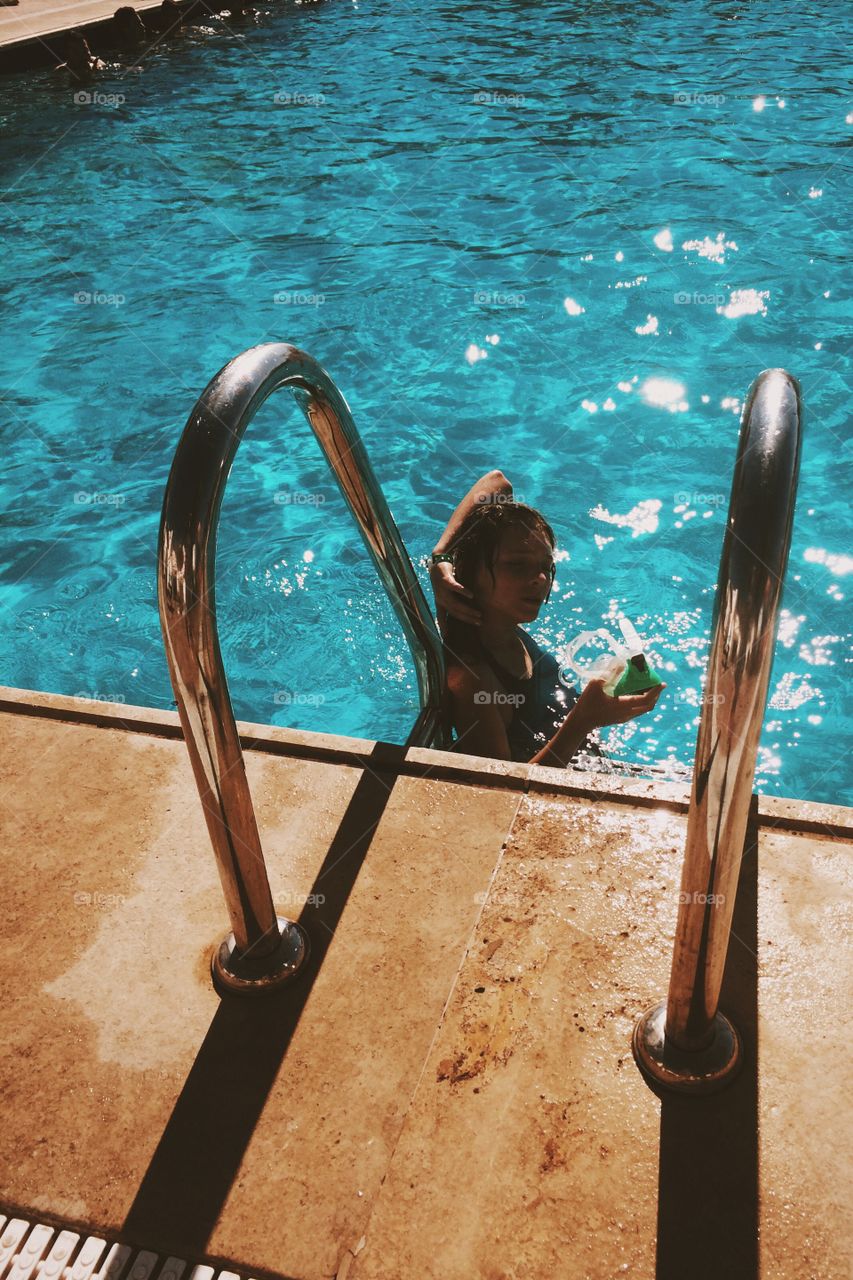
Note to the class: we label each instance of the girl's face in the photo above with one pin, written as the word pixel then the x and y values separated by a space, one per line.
pixel 524 571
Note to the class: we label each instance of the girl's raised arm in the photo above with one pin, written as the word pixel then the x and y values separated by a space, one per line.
pixel 486 487
pixel 450 595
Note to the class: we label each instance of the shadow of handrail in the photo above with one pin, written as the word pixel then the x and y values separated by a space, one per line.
pixel 192 1170
pixel 708 1194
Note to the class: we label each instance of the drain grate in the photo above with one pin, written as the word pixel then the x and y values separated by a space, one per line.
pixel 33 1251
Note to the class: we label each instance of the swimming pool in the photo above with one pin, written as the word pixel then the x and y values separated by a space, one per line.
pixel 558 239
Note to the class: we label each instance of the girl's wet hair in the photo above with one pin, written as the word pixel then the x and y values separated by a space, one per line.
pixel 479 537
pixel 476 545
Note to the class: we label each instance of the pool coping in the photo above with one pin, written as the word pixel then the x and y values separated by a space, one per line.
pixel 783 813
pixel 30 48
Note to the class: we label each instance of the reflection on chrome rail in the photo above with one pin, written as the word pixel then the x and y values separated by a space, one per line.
pixel 686 1043
pixel 263 950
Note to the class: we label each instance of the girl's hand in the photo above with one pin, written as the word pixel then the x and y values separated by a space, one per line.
pixel 451 596
pixel 597 709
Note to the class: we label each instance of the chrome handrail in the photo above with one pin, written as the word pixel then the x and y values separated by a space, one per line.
pixel 263 949
pixel 686 1043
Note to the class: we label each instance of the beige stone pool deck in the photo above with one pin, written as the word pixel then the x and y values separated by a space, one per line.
pixel 449 1090
pixel 37 19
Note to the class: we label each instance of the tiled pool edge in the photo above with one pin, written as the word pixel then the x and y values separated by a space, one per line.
pixel 781 813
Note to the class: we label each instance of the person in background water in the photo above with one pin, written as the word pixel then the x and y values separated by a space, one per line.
pixel 80 63
pixel 128 28
pixel 168 18
pixel 492 569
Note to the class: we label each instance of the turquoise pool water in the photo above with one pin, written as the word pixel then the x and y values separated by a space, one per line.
pixel 561 239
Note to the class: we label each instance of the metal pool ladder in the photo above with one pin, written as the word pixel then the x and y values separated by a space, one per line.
pixel 685 1043
pixel 263 949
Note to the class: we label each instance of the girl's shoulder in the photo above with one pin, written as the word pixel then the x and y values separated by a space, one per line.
pixel 462 648
pixel 465 669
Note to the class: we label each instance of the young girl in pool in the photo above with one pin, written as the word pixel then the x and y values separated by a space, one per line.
pixel 492 569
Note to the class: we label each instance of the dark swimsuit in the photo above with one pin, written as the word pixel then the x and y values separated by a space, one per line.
pixel 544 702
